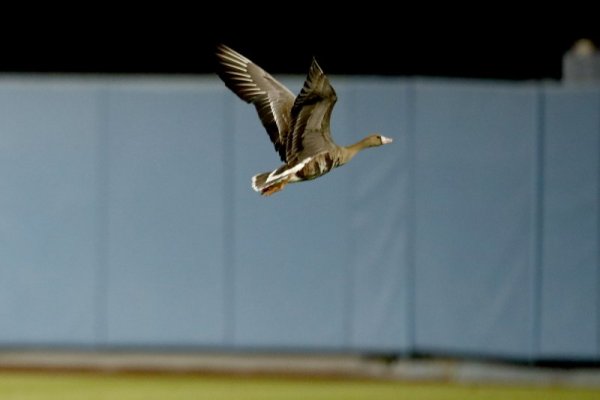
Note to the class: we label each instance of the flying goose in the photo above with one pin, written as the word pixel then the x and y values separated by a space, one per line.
pixel 297 125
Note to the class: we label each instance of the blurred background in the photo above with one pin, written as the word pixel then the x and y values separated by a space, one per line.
pixel 127 220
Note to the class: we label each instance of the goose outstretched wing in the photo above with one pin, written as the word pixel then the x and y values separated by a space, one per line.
pixel 311 113
pixel 251 83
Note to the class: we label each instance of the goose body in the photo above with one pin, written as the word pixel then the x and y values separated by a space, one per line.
pixel 298 126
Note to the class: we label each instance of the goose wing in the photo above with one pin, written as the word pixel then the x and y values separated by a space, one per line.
pixel 272 100
pixel 310 133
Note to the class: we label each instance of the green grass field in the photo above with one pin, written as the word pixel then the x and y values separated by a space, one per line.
pixel 88 386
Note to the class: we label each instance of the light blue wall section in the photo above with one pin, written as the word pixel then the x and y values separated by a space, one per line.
pixel 165 214
pixel 48 213
pixel 476 147
pixel 378 212
pixel 127 219
pixel 291 265
pixel 570 276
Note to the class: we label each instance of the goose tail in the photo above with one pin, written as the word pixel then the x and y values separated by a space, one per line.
pixel 259 181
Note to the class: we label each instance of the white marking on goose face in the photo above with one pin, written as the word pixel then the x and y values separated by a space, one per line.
pixel 386 140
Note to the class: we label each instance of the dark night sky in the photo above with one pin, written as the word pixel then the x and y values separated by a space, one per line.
pixel 379 42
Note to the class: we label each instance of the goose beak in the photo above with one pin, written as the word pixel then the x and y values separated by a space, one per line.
pixel 386 140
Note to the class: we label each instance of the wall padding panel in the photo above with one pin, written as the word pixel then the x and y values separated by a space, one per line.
pixel 291 264
pixel 48 213
pixel 570 280
pixel 165 214
pixel 476 199
pixel 379 206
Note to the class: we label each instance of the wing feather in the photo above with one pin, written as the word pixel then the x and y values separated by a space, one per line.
pixel 311 113
pixel 273 101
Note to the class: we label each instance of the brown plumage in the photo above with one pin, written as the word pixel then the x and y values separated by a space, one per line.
pixel 297 125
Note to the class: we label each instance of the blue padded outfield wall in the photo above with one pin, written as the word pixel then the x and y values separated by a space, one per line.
pixel 127 219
